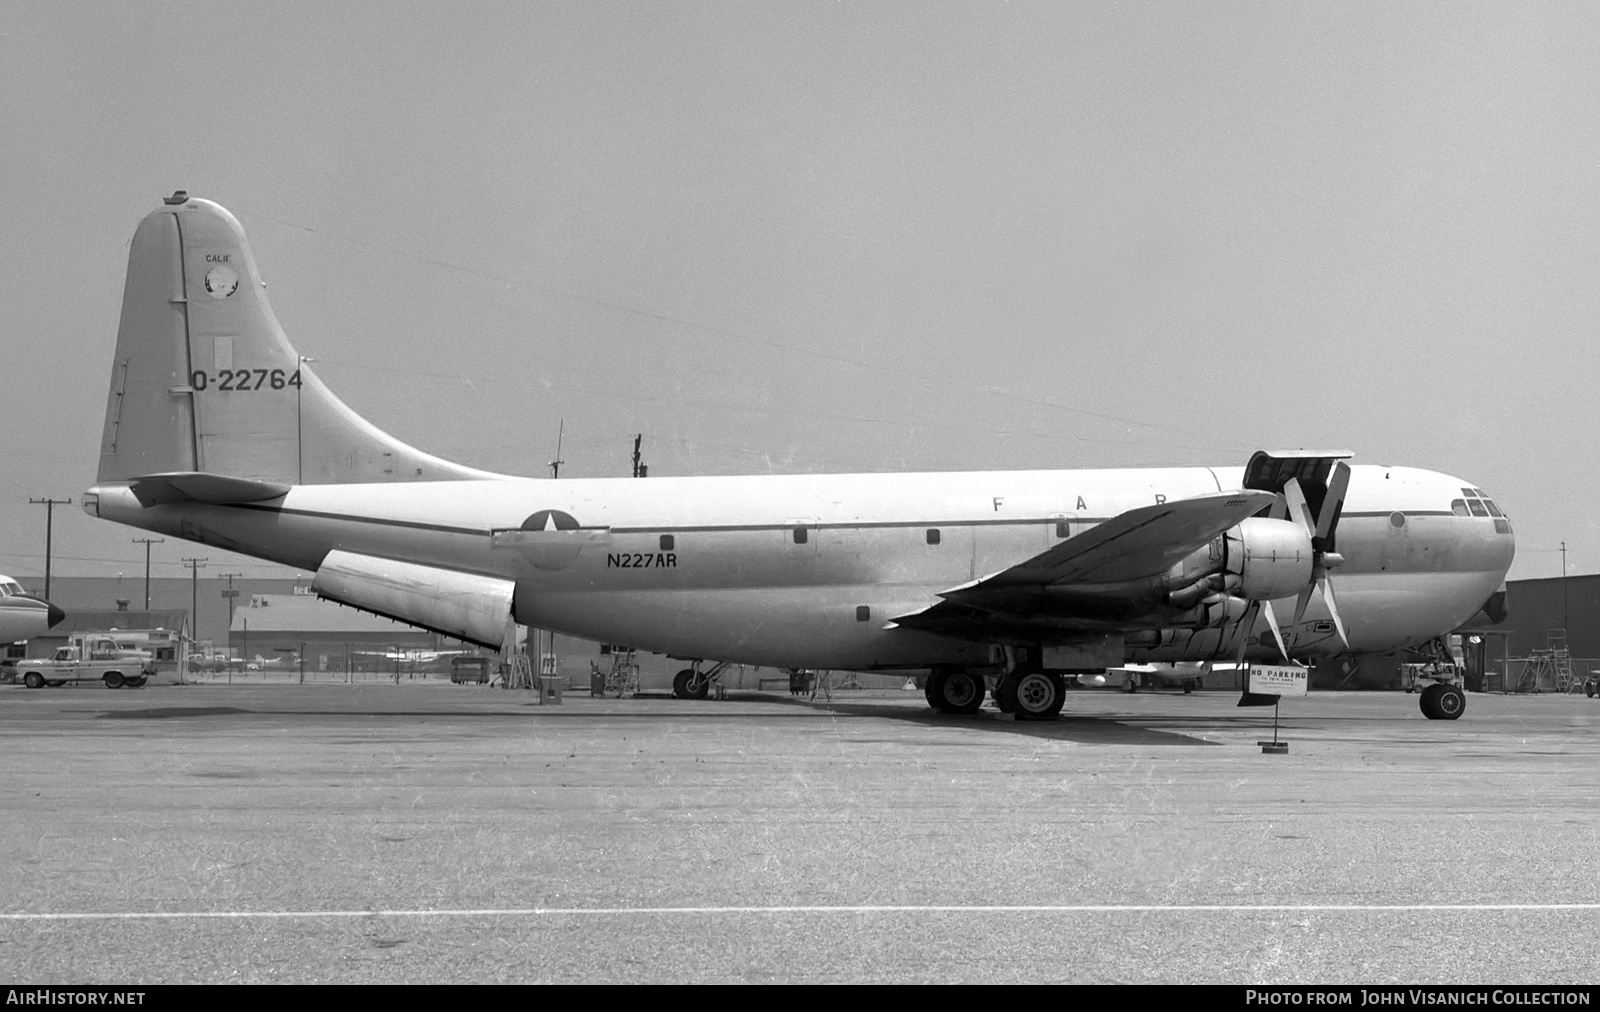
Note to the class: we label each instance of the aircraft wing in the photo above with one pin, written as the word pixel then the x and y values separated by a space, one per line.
pixel 1109 564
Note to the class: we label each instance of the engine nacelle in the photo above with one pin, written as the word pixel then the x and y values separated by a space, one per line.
pixel 1271 558
pixel 464 605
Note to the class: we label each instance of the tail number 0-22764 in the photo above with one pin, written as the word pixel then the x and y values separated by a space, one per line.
pixel 237 380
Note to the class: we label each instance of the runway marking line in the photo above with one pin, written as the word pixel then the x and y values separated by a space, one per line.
pixel 1164 908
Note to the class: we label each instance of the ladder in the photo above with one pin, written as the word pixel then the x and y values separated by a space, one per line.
pixel 1561 662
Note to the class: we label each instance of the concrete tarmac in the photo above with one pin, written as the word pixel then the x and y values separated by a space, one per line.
pixel 438 833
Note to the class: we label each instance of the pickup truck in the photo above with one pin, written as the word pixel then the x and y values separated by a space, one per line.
pixel 105 663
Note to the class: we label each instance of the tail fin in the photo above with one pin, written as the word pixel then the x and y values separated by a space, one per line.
pixel 205 380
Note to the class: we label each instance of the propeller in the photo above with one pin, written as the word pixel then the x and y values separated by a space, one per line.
pixel 1321 530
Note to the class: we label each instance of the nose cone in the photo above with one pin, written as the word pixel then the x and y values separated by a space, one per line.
pixel 56 614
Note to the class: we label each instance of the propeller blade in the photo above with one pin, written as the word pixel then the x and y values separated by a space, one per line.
pixel 1247 622
pixel 1326 586
pixel 1300 604
pixel 1333 502
pixel 1277 634
pixel 1299 511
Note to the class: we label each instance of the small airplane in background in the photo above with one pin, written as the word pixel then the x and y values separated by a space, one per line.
pixel 24 615
pixel 1186 675
pixel 1005 582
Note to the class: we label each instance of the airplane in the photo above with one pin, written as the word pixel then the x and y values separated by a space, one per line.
pixel 217 431
pixel 1186 675
pixel 24 615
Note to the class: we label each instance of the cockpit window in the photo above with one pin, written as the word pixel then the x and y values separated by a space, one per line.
pixel 1476 503
pixel 10 588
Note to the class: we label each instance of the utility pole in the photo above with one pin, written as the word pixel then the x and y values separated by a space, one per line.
pixel 639 470
pixel 146 542
pixel 49 524
pixel 232 595
pixel 195 565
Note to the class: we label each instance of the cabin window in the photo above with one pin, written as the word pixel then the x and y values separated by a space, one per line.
pixel 1063 529
pixel 863 613
pixel 933 535
pixel 799 535
pixel 667 542
pixel 1397 518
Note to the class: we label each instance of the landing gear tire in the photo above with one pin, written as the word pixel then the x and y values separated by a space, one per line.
pixel 1038 695
pixel 1005 694
pixel 1132 686
pixel 688 684
pixel 957 692
pixel 1443 702
pixel 1188 686
pixel 114 680
pixel 33 680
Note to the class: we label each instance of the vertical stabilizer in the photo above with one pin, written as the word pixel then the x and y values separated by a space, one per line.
pixel 205 380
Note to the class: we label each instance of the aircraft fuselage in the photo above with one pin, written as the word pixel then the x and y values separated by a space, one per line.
pixel 808 570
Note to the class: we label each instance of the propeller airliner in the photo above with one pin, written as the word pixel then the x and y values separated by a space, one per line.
pixel 1002 582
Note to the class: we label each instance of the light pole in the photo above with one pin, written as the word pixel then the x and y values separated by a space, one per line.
pixel 146 542
pixel 49 525
pixel 1563 586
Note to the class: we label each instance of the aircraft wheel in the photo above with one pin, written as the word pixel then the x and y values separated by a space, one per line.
pixel 1038 695
pixel 959 691
pixel 1450 703
pixel 1188 686
pixel 1132 686
pixel 1005 694
pixel 687 684
pixel 33 680
pixel 114 680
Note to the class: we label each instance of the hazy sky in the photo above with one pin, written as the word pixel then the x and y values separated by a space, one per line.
pixel 837 236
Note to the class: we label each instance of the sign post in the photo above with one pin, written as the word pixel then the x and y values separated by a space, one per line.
pixel 1278 680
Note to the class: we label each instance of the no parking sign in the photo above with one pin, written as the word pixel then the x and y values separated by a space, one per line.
pixel 1279 679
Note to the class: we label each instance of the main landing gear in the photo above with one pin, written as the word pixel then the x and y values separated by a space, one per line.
pixel 954 690
pixel 1029 695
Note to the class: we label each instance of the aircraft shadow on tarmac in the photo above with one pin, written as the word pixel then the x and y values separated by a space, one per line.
pixel 1067 727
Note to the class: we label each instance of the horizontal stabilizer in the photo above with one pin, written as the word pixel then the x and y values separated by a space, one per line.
pixel 198 486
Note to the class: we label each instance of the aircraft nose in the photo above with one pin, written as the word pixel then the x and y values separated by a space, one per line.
pixel 54 614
